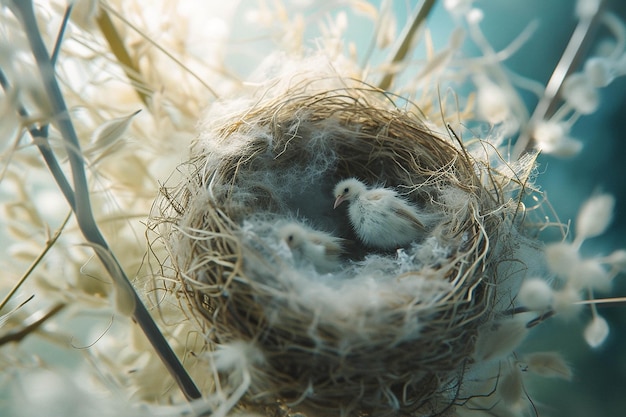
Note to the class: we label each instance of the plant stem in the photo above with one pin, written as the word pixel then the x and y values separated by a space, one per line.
pixel 57 45
pixel 82 206
pixel 407 37
pixel 37 321
pixel 36 262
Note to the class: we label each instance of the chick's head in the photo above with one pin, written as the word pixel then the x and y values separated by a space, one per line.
pixel 348 190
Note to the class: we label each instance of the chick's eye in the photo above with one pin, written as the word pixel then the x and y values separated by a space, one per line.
pixel 290 238
pixel 345 190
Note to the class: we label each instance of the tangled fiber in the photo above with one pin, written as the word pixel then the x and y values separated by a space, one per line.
pixel 387 333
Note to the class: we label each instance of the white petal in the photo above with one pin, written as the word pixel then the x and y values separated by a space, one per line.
pixel 364 8
pixel 596 331
pixel 536 294
pixel 599 71
pixel 552 137
pixel 561 258
pixel 565 302
pixel 586 9
pixel 594 216
pixel 548 134
pixel 590 273
pixel 475 16
pixel 566 148
pixel 457 7
pixel 617 260
pixel 492 101
pixel 580 94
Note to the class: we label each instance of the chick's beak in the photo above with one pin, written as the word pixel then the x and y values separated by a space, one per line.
pixel 340 199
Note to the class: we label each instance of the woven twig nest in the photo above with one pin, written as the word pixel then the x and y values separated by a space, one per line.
pixel 388 331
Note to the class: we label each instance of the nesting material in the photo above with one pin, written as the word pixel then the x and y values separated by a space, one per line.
pixel 378 331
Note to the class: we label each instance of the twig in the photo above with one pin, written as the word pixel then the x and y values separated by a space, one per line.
pixel 57 45
pixel 82 206
pixel 540 319
pixel 36 320
pixel 605 302
pixel 36 262
pixel 5 317
pixel 407 39
pixel 572 55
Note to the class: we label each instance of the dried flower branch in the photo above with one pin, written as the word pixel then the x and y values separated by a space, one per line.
pixel 81 205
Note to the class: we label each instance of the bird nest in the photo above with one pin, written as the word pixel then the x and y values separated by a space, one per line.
pixel 386 331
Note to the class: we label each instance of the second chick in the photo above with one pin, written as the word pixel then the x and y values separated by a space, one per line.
pixel 321 249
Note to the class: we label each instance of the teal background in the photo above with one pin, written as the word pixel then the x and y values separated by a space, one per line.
pixel 599 382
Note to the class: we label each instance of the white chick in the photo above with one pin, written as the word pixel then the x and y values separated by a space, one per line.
pixel 380 218
pixel 322 249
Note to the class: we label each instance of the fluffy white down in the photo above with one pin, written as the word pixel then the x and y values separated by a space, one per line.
pixel 358 297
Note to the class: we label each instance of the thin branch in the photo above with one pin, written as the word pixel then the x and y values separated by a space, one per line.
pixel 407 37
pixel 540 319
pixel 605 302
pixel 31 325
pixel 59 41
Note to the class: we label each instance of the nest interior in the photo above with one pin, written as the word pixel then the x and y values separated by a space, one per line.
pixel 387 331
